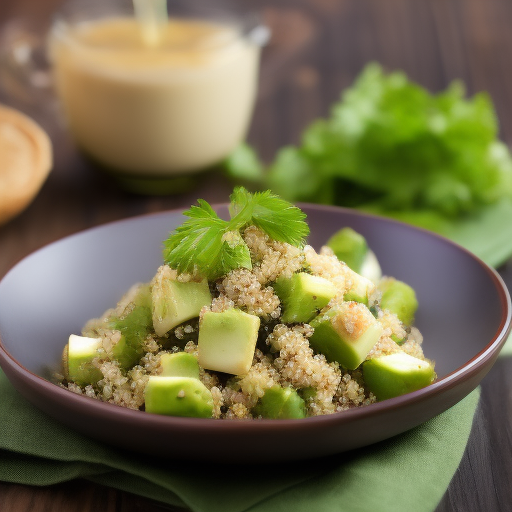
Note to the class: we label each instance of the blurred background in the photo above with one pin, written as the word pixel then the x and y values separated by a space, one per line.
pixel 317 49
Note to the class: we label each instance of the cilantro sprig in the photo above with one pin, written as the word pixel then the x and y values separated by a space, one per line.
pixel 207 245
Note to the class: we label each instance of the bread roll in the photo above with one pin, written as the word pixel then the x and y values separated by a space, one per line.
pixel 25 161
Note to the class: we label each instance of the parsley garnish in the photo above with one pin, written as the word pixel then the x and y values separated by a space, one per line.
pixel 207 245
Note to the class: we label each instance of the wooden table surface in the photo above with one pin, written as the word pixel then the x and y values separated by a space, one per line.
pixel 317 49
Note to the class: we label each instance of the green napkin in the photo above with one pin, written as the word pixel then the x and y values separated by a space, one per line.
pixel 487 233
pixel 408 472
pixel 507 348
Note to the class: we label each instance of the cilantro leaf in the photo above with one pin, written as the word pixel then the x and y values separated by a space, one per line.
pixel 209 246
pixel 280 219
pixel 197 245
pixel 234 254
pixel 243 165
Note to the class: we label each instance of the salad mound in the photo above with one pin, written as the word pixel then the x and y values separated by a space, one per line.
pixel 243 320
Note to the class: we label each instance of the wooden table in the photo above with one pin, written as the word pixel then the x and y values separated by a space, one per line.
pixel 318 47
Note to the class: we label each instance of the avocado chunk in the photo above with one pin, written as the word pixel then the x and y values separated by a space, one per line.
pixel 280 404
pixel 78 360
pixel 349 246
pixel 303 296
pixel 345 333
pixel 399 298
pixel 178 396
pixel 175 302
pixel 396 374
pixel 359 288
pixel 227 341
pixel 180 364
pixel 307 393
pixel 127 352
pixel 134 327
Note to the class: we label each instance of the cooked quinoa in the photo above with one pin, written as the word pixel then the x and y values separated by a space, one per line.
pixel 283 354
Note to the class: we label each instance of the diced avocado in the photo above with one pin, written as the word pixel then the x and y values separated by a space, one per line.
pixel 280 404
pixel 178 396
pixel 77 360
pixel 396 374
pixel 127 353
pixel 134 327
pixel 346 333
pixel 180 364
pixel 175 302
pixel 349 246
pixel 359 289
pixel 227 341
pixel 399 298
pixel 303 296
pixel 307 393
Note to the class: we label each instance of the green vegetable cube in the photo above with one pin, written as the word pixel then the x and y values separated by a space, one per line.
pixel 78 358
pixel 346 333
pixel 180 364
pixel 359 288
pixel 178 396
pixel 227 341
pixel 134 327
pixel 280 404
pixel 399 298
pixel 396 374
pixel 175 302
pixel 350 247
pixel 126 354
pixel 303 296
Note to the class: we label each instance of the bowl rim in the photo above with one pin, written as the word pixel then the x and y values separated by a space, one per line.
pixel 467 370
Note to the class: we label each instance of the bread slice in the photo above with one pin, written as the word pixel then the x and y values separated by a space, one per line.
pixel 25 161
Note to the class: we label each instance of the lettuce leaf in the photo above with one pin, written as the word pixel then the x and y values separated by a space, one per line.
pixel 391 147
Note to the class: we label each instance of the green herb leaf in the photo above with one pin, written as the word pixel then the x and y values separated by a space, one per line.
pixel 207 245
pixel 197 245
pixel 244 166
pixel 234 253
pixel 396 143
pixel 278 218
pixel 391 147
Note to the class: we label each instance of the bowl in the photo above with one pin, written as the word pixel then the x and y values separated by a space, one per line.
pixel 464 316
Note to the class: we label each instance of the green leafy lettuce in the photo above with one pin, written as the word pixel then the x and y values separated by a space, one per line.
pixel 391 147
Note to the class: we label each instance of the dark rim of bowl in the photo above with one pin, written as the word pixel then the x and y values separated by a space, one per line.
pixel 465 371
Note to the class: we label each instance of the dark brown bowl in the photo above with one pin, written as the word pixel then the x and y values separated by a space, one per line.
pixel 464 315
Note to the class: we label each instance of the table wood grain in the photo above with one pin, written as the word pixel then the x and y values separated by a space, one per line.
pixel 317 49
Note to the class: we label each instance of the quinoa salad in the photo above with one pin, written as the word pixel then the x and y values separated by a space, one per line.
pixel 244 320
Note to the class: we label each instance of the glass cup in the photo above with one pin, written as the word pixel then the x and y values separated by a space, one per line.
pixel 146 110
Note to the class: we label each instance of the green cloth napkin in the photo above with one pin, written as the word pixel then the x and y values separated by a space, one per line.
pixel 507 348
pixel 408 472
pixel 487 233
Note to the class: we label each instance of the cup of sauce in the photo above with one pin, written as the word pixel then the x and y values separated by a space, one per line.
pixel 154 102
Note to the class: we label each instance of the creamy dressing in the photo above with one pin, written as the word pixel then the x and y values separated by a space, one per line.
pixel 176 107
